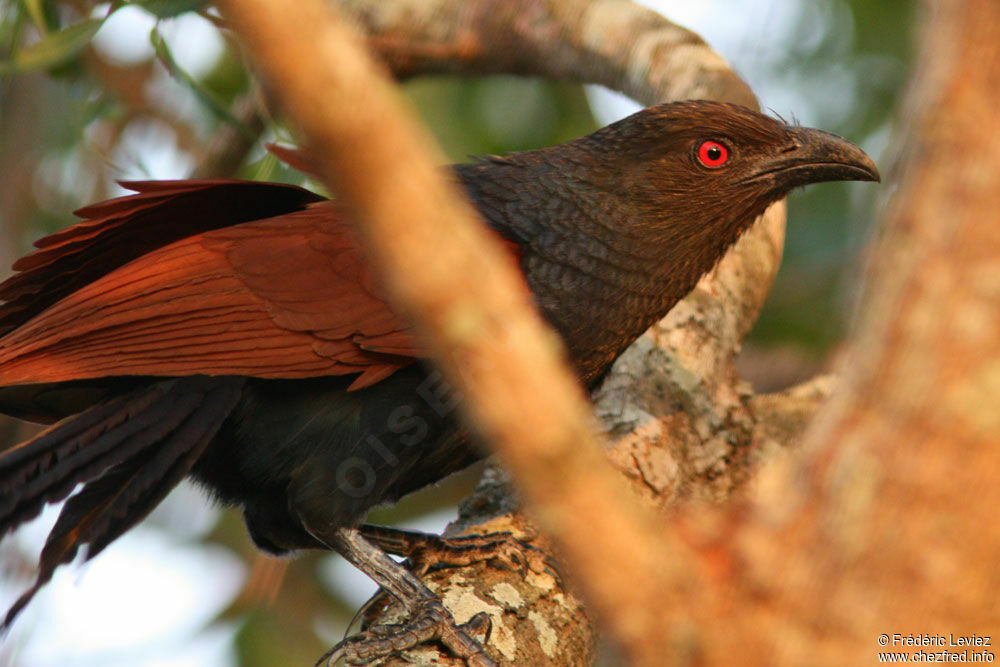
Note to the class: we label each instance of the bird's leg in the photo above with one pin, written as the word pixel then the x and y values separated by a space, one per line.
pixel 429 620
pixel 426 551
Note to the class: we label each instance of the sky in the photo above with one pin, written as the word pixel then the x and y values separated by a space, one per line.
pixel 146 601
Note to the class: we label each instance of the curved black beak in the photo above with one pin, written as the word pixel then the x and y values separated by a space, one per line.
pixel 815 156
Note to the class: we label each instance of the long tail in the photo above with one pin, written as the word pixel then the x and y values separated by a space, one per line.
pixel 129 453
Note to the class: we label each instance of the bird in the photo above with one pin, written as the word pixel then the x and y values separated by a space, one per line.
pixel 232 332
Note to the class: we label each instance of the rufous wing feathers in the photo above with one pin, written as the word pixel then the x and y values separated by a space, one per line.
pixel 288 296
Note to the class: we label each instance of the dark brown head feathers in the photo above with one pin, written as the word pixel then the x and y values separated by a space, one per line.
pixel 620 224
pixel 711 154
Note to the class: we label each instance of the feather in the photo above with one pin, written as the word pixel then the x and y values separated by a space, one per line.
pixel 131 465
pixel 288 297
pixel 119 230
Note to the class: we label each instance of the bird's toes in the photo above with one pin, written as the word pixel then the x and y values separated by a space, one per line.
pixel 505 551
pixel 480 624
pixel 501 550
pixel 430 623
pixel 376 605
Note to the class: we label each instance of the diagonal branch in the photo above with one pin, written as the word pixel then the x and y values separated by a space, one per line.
pixel 621 45
pixel 697 440
pixel 634 50
pixel 486 337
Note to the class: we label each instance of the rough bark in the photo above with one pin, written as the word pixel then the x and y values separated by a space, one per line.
pixel 887 525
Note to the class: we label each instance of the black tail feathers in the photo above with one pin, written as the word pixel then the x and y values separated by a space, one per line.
pixel 129 453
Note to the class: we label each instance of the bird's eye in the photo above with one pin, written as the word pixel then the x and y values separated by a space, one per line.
pixel 713 154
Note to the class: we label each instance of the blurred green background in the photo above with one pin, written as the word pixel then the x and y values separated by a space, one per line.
pixel 86 99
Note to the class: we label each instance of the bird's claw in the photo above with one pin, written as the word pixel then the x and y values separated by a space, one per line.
pixel 431 622
pixel 425 551
pixel 507 552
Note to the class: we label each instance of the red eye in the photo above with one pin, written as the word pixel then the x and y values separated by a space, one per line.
pixel 713 154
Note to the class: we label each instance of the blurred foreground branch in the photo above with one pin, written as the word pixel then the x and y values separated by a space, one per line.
pixel 486 336
pixel 887 524
pixel 682 422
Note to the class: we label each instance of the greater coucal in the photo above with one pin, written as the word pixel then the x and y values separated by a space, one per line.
pixel 231 331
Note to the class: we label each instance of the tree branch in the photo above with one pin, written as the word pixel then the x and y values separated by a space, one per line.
pixel 621 45
pixel 697 437
pixel 230 145
pixel 887 525
pixel 487 338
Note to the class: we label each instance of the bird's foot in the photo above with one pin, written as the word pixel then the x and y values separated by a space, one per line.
pixel 429 622
pixel 426 551
pixel 428 619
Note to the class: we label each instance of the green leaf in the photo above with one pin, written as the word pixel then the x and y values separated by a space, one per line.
pixel 210 101
pixel 54 49
pixel 266 168
pixel 166 9
pixel 36 11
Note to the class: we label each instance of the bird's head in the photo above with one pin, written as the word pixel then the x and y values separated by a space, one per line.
pixel 706 168
pixel 617 226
